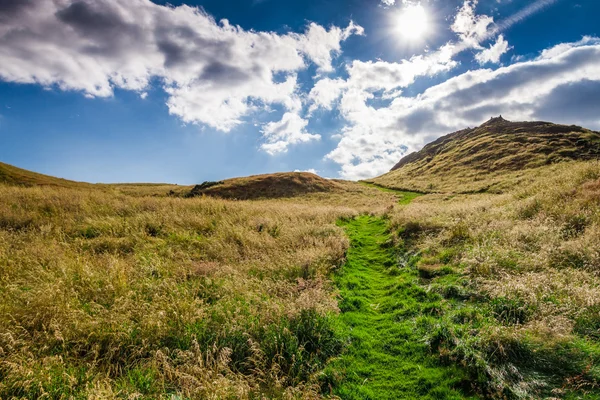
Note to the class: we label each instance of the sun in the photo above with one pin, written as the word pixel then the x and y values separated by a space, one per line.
pixel 413 22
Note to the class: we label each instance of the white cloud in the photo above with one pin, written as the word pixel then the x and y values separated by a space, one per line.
pixel 325 92
pixel 494 52
pixel 470 27
pixel 364 78
pixel 310 170
pixel 388 76
pixel 320 44
pixel 290 130
pixel 563 47
pixel 214 73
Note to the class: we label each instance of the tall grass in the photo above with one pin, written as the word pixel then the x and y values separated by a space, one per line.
pixel 526 266
pixel 104 295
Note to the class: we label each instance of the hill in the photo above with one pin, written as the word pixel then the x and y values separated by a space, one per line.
pixel 270 186
pixel 12 175
pixel 491 156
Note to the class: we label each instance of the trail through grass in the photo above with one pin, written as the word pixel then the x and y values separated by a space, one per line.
pixel 405 197
pixel 385 313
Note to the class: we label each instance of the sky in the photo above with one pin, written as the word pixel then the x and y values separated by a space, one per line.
pixel 188 91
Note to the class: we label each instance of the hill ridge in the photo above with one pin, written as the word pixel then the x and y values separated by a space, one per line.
pixel 496 147
pixel 496 125
pixel 276 185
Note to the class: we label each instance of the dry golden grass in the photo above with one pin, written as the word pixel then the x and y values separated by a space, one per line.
pixel 106 295
pixel 491 158
pixel 147 189
pixel 550 226
pixel 268 186
pixel 116 292
pixel 532 254
pixel 12 175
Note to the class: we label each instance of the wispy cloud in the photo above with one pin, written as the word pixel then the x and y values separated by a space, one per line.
pixel 494 52
pixel 525 13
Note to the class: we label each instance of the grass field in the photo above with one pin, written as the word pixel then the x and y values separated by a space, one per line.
pixel 524 267
pixel 113 295
pixel 124 291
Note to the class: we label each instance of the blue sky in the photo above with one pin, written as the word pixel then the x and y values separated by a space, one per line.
pixel 136 91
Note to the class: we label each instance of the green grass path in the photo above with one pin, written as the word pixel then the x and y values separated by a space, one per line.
pixel 385 313
pixel 404 197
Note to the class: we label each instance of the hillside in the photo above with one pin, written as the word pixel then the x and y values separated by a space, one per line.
pixel 270 186
pixel 12 175
pixel 491 156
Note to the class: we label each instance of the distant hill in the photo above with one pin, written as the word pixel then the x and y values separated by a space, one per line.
pixel 489 156
pixel 279 185
pixel 12 175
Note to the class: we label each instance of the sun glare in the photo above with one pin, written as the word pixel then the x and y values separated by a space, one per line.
pixel 413 22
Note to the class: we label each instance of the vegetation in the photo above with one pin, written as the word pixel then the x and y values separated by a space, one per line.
pixel 146 189
pixel 309 289
pixel 490 157
pixel 11 175
pixel 386 313
pixel 267 186
pixel 404 196
pixel 107 295
pixel 522 271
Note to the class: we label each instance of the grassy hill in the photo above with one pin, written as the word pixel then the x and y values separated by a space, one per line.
pixel 490 157
pixel 12 175
pixel 270 186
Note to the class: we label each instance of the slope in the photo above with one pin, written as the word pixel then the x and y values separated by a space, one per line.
pixel 490 157
pixel 15 176
pixel 12 175
pixel 270 186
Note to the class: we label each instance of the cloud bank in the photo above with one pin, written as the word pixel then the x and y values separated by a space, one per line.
pixel 214 73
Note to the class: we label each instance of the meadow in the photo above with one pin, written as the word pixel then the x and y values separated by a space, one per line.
pixel 113 295
pixel 119 292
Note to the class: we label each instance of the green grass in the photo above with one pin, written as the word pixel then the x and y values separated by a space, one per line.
pixel 405 196
pixel 386 314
